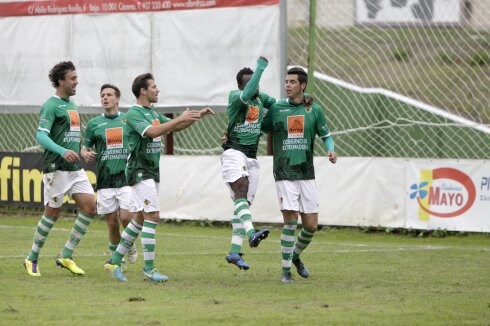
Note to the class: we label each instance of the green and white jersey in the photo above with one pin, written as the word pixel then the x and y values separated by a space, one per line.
pixel 107 134
pixel 294 128
pixel 144 152
pixel 59 118
pixel 244 122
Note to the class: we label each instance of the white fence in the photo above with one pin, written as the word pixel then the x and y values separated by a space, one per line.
pixel 387 192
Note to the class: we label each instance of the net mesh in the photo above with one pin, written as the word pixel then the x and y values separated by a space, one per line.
pixel 396 90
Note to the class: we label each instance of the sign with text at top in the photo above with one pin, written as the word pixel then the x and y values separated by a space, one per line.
pixel 193 48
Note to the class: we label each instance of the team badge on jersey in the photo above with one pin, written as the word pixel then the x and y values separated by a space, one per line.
pixel 114 137
pixel 74 120
pixel 296 126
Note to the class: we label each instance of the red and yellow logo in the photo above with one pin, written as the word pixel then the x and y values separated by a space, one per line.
pixel 443 192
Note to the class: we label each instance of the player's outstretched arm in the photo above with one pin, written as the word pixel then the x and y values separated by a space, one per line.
pixel 251 87
pixel 330 147
pixel 187 122
pixel 184 120
pixel 206 111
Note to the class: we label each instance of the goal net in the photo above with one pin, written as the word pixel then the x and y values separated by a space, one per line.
pixel 406 78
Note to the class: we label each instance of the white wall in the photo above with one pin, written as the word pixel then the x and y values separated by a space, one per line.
pixel 353 192
pixel 193 54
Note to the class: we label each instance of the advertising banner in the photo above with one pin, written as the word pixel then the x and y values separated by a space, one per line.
pixel 70 7
pixel 21 180
pixel 408 11
pixel 356 191
pixel 194 55
pixel 448 195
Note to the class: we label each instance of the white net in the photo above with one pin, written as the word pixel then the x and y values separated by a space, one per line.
pixel 397 78
pixel 408 78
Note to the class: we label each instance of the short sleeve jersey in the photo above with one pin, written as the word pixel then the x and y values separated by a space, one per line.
pixel 59 118
pixel 107 133
pixel 144 152
pixel 244 122
pixel 294 128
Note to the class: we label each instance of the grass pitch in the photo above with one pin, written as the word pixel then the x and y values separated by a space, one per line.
pixel 356 278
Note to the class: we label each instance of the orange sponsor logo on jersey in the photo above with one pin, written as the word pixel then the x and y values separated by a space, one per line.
pixel 114 137
pixel 252 114
pixel 296 126
pixel 74 120
pixel 156 122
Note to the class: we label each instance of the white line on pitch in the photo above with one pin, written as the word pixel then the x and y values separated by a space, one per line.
pixel 382 246
pixel 268 252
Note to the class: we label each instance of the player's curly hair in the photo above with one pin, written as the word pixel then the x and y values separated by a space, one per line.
pixel 140 82
pixel 116 90
pixel 302 75
pixel 241 73
pixel 59 71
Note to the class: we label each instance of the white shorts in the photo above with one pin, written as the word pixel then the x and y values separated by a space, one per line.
pixel 234 165
pixel 111 199
pixel 299 195
pixel 59 183
pixel 145 196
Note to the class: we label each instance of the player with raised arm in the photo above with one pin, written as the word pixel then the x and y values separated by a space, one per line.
pixel 240 168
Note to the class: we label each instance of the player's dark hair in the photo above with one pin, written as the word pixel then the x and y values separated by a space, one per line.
pixel 241 73
pixel 302 75
pixel 141 82
pixel 116 90
pixel 59 71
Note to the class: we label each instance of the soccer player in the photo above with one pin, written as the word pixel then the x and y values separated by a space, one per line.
pixel 145 127
pixel 239 164
pixel 294 124
pixel 59 134
pixel 107 134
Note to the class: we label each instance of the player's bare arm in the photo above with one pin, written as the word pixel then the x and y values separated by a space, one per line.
pixel 71 156
pixel 187 122
pixel 185 119
pixel 206 111
pixel 87 154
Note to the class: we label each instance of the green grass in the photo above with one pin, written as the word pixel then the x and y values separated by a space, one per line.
pixel 356 278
